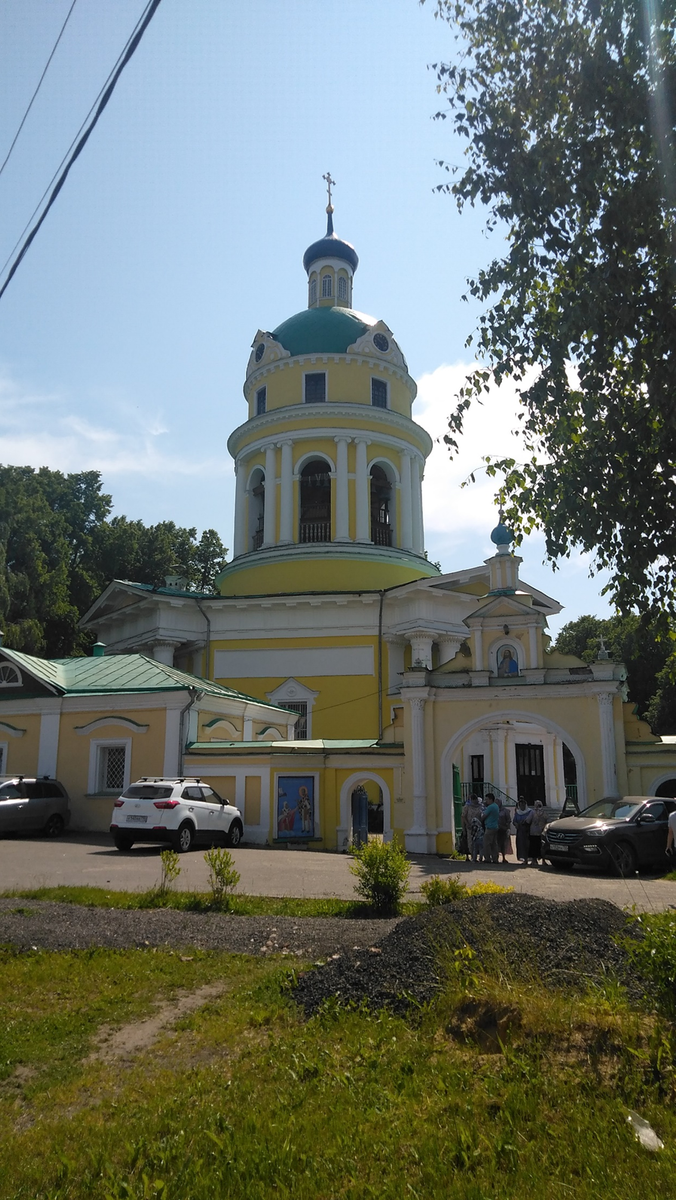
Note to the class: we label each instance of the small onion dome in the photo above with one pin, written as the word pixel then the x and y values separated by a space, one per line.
pixel 330 247
pixel 501 535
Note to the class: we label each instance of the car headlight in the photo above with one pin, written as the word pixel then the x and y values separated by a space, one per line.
pixel 596 833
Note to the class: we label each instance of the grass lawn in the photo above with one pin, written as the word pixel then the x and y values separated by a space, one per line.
pixel 243 1098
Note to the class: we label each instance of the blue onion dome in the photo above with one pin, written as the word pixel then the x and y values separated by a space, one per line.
pixel 501 535
pixel 330 246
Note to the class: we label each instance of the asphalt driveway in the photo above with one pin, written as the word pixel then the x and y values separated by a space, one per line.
pixel 78 859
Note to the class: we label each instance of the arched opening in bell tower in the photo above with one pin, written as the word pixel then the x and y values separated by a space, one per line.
pixel 381 506
pixel 256 508
pixel 315 502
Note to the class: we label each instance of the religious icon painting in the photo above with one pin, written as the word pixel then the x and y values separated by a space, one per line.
pixel 295 806
pixel 508 664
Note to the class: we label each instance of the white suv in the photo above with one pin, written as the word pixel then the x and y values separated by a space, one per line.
pixel 178 811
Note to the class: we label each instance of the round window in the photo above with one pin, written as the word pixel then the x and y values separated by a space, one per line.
pixel 260 351
pixel 381 343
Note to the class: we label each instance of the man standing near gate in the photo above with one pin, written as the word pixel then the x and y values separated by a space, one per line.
pixel 491 815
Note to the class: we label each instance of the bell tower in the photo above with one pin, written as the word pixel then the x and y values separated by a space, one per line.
pixel 329 462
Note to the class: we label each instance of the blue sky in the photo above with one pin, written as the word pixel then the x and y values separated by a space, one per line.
pixel 124 335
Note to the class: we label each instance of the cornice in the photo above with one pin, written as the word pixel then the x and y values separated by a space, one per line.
pixel 309 551
pixel 265 428
pixel 255 378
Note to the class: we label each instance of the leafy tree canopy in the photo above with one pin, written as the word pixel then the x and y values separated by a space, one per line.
pixel 646 645
pixel 567 107
pixel 59 548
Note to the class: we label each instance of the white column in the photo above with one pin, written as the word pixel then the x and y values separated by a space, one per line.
pixel 418 755
pixel 164 652
pixel 608 750
pixel 421 649
pixel 406 504
pixel 533 645
pixel 239 545
pixel 342 498
pixel 286 494
pixel 560 773
pixel 551 790
pixel 498 738
pixel 478 650
pixel 270 511
pixel 48 745
pixel 362 489
pixel 448 647
pixel 416 497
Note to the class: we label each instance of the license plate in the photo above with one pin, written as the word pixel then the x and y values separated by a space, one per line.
pixel 136 820
pixel 559 849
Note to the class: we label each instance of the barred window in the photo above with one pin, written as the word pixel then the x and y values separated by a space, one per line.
pixel 315 388
pixel 300 728
pixel 378 393
pixel 342 287
pixel 326 285
pixel 112 763
pixel 261 400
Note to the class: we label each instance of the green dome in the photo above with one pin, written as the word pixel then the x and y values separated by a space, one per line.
pixel 321 330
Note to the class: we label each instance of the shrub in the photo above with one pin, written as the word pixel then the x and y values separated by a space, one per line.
pixel 382 870
pixel 443 890
pixel 170 870
pixel 223 878
pixel 654 956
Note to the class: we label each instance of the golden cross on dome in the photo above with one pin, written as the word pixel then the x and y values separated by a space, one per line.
pixel 329 184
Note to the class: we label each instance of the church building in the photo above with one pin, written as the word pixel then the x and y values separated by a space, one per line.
pixel 408 686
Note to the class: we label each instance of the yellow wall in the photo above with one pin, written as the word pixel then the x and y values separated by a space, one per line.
pixel 330 574
pixel 22 752
pixel 348 382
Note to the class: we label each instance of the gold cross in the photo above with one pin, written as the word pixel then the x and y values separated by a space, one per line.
pixel 329 184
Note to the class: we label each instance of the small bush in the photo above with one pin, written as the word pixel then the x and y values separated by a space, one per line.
pixel 654 957
pixel 443 890
pixel 382 870
pixel 223 878
pixel 170 870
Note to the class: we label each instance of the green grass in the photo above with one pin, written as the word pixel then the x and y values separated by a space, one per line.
pixel 283 906
pixel 246 1100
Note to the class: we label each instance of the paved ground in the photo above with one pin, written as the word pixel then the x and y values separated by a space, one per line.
pixel 90 859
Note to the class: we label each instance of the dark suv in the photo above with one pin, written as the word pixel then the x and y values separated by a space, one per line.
pixel 29 805
pixel 620 834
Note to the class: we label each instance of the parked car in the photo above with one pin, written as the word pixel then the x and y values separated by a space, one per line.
pixel 622 834
pixel 178 811
pixel 29 805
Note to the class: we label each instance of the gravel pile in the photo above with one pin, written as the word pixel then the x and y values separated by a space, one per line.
pixel 48 926
pixel 563 943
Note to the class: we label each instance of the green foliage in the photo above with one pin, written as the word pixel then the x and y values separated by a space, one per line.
pixel 440 889
pixel 59 549
pixel 382 870
pixel 223 878
pixel 654 957
pixel 646 645
pixel 170 869
pixel 566 111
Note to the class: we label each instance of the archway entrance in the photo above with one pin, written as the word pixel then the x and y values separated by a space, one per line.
pixel 667 789
pixel 365 800
pixel 315 502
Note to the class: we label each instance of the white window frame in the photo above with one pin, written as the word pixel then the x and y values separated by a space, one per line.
pixel 295 692
pixel 313 290
pixel 95 747
pixel 327 292
pixel 326 387
pixel 342 286
pixel 10 683
pixel 379 379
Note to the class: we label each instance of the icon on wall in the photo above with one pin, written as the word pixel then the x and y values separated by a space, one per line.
pixel 295 806
pixel 507 662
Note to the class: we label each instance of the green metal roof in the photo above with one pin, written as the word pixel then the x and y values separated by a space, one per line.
pixel 118 673
pixel 322 330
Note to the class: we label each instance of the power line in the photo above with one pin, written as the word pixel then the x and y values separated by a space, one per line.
pixel 23 119
pixel 78 144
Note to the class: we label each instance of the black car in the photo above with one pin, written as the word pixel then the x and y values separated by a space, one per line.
pixel 30 805
pixel 620 834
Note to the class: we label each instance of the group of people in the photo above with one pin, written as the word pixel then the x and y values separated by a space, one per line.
pixel 487 830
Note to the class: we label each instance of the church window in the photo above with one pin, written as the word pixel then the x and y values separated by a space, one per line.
pixel 112 763
pixel 315 387
pixel 300 728
pixel 315 502
pixel 381 499
pixel 342 287
pixel 378 393
pixel 326 286
pixel 261 400
pixel 9 676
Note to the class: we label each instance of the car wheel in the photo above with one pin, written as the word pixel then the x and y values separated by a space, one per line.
pixel 234 834
pixel 561 866
pixel 623 858
pixel 184 838
pixel 55 825
pixel 123 841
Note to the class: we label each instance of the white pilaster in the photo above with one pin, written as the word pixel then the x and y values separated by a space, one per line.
pixel 560 773
pixel 416 499
pixel 608 750
pixel 533 646
pixel 418 839
pixel 551 789
pixel 361 484
pixel 406 504
pixel 48 745
pixel 270 511
pixel 164 652
pixel 342 498
pixel 478 650
pixel 239 543
pixel 286 494
pixel 498 738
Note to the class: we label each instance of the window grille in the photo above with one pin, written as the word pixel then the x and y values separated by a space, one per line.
pixel 299 706
pixel 313 291
pixel 342 287
pixel 112 765
pixel 378 393
pixel 315 388
pixel 326 285
pixel 261 400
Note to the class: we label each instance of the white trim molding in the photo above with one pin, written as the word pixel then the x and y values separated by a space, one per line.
pixel 353 781
pixel 11 730
pixel 126 723
pixel 95 746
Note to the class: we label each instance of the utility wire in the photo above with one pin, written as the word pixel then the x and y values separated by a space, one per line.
pixel 23 119
pixel 79 141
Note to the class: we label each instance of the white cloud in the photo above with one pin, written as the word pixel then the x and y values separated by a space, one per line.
pixel 42 430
